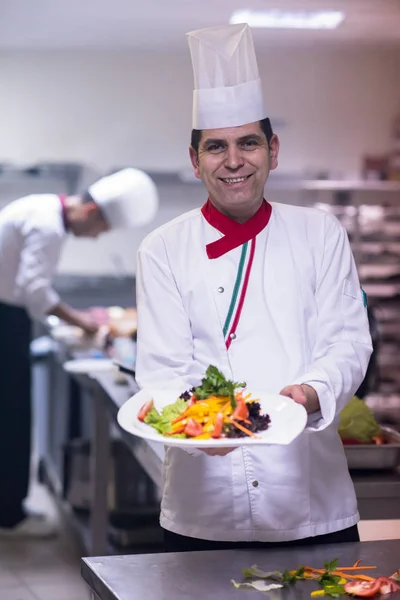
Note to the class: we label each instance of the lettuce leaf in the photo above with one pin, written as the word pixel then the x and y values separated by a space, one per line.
pixel 258 584
pixel 172 411
pixel 254 571
pixel 357 422
pixel 162 422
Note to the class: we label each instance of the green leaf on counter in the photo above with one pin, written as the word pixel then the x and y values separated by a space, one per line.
pixel 331 566
pixel 254 571
pixel 290 577
pixel 327 579
pixel 334 590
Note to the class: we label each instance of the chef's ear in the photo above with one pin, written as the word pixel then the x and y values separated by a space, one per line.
pixel 194 158
pixel 273 152
pixel 90 209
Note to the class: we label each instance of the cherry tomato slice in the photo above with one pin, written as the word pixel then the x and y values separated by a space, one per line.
pixel 144 411
pixel 193 428
pixel 241 412
pixel 217 432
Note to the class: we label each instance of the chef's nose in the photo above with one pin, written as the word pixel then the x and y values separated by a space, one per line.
pixel 233 158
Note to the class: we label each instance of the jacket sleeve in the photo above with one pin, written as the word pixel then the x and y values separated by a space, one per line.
pixel 37 265
pixel 165 341
pixel 343 346
pixel 164 338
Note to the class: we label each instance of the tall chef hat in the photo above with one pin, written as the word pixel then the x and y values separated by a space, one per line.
pixel 127 198
pixel 227 83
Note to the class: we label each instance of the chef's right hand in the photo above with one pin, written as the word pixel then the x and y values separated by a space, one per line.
pixel 218 451
pixel 89 326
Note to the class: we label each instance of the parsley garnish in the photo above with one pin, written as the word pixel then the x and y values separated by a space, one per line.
pixel 216 384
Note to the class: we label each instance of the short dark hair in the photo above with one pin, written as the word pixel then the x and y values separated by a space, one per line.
pixel 265 125
pixel 86 198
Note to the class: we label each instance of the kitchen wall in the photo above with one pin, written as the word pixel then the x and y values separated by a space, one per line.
pixel 110 109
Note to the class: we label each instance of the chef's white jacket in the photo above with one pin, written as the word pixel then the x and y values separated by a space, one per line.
pixel 32 234
pixel 303 321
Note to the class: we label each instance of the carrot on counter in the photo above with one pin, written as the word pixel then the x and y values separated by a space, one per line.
pixel 341 573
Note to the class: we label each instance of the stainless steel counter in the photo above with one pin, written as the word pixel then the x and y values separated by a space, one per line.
pixel 201 575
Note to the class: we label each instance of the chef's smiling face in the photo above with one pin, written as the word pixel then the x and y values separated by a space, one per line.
pixel 234 164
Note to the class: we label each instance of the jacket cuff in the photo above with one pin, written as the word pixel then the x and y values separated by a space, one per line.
pixel 326 415
pixel 38 310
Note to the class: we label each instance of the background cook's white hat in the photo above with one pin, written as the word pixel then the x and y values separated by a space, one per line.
pixel 127 198
pixel 227 83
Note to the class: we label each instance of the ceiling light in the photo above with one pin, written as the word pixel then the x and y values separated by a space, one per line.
pixel 289 20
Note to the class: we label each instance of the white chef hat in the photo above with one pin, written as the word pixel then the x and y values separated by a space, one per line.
pixel 127 198
pixel 227 84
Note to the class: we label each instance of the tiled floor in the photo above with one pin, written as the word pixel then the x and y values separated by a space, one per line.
pixel 42 570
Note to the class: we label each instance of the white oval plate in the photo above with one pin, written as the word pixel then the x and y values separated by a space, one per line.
pixel 67 333
pixel 88 365
pixel 288 420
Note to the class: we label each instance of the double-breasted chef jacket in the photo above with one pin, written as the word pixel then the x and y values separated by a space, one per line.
pixel 303 320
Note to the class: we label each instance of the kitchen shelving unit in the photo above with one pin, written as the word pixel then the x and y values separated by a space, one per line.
pixel 370 212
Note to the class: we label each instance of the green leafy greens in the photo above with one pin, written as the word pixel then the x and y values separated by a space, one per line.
pixel 290 577
pixel 216 384
pixel 162 422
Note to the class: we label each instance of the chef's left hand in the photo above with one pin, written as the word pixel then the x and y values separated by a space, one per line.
pixel 217 451
pixel 303 394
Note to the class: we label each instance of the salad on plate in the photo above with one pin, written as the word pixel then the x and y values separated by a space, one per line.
pixel 218 408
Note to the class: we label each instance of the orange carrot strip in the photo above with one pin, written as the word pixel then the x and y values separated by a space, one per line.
pixel 341 574
pixel 246 431
pixel 355 568
pixel 181 417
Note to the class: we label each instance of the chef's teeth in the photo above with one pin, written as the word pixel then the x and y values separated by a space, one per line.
pixel 236 180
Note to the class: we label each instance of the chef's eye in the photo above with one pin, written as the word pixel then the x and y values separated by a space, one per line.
pixel 250 144
pixel 215 148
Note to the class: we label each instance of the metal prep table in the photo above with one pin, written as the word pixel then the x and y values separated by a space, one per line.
pixel 201 575
pixel 106 399
pixel 378 494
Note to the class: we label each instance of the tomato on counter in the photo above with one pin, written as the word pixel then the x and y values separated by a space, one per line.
pixel 367 589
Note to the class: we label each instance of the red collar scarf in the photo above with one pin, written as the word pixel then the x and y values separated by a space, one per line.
pixel 235 234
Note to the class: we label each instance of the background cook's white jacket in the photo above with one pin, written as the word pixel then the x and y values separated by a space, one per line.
pixel 31 238
pixel 303 322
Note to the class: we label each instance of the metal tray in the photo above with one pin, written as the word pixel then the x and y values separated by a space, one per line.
pixel 372 457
